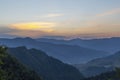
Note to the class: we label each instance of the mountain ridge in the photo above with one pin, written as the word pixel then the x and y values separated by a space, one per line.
pixel 67 53
pixel 100 65
pixel 104 44
pixel 48 67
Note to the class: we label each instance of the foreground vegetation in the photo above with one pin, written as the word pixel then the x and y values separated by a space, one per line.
pixel 11 69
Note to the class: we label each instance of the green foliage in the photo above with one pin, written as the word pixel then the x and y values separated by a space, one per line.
pixel 2 54
pixel 11 69
pixel 118 72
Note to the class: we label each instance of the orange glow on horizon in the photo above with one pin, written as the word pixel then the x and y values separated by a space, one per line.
pixel 32 26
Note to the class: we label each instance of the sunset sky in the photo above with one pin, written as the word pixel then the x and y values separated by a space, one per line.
pixel 70 18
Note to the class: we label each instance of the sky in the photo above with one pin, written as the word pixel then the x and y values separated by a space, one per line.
pixel 69 18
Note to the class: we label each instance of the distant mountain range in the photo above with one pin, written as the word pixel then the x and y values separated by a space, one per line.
pixel 72 54
pixel 54 37
pixel 100 65
pixel 91 57
pixel 47 67
pixel 106 44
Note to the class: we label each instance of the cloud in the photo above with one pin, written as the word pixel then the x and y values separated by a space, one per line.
pixel 30 29
pixel 111 12
pixel 53 15
pixel 42 26
pixel 102 30
pixel 29 33
pixel 5 29
pixel 93 27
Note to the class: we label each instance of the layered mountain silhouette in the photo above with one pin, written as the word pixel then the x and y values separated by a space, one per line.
pixel 100 65
pixel 105 44
pixel 47 67
pixel 95 55
pixel 72 54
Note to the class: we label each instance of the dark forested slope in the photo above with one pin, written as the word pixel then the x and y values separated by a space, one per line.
pixel 47 67
pixel 11 69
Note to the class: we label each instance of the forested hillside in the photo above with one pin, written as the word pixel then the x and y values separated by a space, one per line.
pixel 11 69
pixel 46 66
